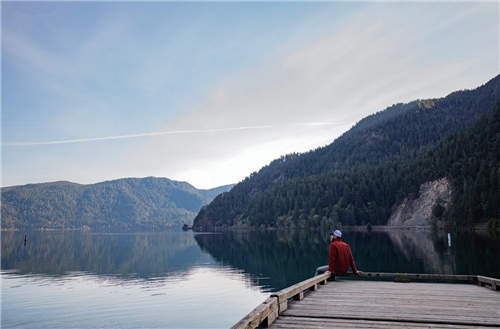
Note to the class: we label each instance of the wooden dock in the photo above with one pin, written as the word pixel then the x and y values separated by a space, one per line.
pixel 405 302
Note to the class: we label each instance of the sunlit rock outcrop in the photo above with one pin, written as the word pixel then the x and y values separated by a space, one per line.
pixel 418 211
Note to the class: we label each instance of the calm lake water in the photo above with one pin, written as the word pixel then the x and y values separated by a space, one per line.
pixel 187 280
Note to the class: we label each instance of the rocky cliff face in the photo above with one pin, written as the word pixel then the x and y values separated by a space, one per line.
pixel 418 211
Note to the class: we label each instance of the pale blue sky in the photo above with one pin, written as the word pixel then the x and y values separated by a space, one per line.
pixel 96 91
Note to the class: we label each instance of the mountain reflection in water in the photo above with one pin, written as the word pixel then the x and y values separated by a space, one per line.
pixel 81 280
pixel 182 279
pixel 273 259
pixel 123 255
pixel 279 259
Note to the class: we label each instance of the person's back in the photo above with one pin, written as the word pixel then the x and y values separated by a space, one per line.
pixel 340 256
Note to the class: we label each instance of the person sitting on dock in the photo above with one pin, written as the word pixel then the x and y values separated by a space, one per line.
pixel 340 256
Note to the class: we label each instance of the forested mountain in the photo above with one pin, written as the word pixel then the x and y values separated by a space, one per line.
pixel 360 177
pixel 130 204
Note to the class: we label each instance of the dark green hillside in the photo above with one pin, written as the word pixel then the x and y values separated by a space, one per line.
pixel 332 184
pixel 472 161
pixel 366 194
pixel 130 204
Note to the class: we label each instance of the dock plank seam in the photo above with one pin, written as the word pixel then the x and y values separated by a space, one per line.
pixel 423 321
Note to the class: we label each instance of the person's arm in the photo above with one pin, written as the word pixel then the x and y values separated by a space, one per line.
pixel 353 264
pixel 331 258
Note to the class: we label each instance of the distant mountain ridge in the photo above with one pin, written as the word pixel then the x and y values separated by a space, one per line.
pixel 122 205
pixel 332 184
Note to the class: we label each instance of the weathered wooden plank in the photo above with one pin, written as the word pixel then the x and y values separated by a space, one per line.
pixel 382 304
pixel 394 315
pixel 287 322
pixel 379 283
pixel 301 286
pixel 297 290
pixel 465 305
pixel 431 309
pixel 263 315
pixel 388 300
pixel 403 318
pixel 417 276
pixel 434 304
pixel 339 291
pixel 482 308
pixel 493 284
pixel 339 297
pixel 406 311
pixel 407 288
pixel 338 323
pixel 412 276
pixel 395 294
pixel 416 287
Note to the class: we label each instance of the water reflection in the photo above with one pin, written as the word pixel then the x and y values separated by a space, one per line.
pixel 179 279
pixel 75 280
pixel 126 255
pixel 205 298
pixel 273 259
pixel 279 259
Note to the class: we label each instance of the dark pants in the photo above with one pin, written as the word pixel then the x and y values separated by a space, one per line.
pixel 321 269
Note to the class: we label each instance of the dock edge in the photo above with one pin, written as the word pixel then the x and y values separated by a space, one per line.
pixel 266 313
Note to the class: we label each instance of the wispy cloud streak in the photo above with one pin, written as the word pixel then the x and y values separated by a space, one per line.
pixel 162 133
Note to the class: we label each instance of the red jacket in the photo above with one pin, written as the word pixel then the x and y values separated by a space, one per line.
pixel 340 257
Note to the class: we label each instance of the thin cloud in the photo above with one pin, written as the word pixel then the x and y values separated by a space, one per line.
pixel 162 133
pixel 324 69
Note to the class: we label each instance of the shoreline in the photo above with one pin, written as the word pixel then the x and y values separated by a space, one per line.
pixel 482 227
